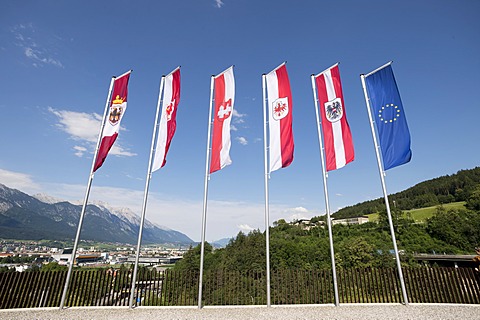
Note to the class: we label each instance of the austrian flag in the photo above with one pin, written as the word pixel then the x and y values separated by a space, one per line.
pixel 280 118
pixel 168 119
pixel 224 85
pixel 336 131
pixel 118 106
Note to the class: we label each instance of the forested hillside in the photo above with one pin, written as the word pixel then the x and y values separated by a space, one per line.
pixel 453 231
pixel 450 188
pixel 366 245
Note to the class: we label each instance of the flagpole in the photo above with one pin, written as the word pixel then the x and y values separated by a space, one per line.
pixel 325 188
pixel 267 209
pixel 85 201
pixel 205 193
pixel 379 68
pixel 382 178
pixel 145 196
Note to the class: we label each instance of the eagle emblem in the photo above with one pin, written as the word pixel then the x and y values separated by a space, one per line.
pixel 334 110
pixel 280 108
pixel 116 110
pixel 169 110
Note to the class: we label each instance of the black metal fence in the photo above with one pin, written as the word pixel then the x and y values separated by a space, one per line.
pixel 222 287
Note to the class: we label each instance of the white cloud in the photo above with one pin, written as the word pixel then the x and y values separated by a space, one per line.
pixel 38 56
pixel 242 140
pixel 245 228
pixel 219 3
pixel 233 128
pixel 238 117
pixel 237 114
pixel 79 125
pixel 84 127
pixel 79 151
pixel 297 213
pixel 17 180
pixel 32 50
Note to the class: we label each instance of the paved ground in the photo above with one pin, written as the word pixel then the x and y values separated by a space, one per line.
pixel 342 312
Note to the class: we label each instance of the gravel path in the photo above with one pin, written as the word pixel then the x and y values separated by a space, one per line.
pixel 342 312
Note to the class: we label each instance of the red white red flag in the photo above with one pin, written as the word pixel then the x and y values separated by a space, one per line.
pixel 224 85
pixel 118 106
pixel 280 118
pixel 168 119
pixel 336 131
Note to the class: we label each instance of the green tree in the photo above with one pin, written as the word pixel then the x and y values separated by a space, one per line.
pixel 459 228
pixel 355 252
pixel 53 266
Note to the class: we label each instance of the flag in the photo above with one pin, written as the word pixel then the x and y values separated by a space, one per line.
pixel 390 118
pixel 168 118
pixel 336 131
pixel 280 118
pixel 224 85
pixel 118 106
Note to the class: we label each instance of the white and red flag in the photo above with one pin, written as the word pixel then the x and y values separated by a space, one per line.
pixel 118 106
pixel 336 131
pixel 280 118
pixel 168 119
pixel 224 85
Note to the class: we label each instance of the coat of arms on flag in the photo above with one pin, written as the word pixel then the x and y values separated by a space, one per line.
pixel 334 110
pixel 169 110
pixel 280 108
pixel 116 110
pixel 224 110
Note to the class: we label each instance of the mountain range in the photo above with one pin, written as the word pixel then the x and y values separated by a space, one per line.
pixel 42 217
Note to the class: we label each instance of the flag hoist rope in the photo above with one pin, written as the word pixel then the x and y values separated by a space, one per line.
pixel 325 188
pixel 267 209
pixel 145 196
pixel 205 193
pixel 382 178
pixel 85 201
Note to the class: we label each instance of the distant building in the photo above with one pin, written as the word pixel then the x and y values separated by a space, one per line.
pixel 352 220
pixel 64 257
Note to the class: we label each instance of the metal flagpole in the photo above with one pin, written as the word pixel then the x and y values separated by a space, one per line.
pixel 325 189
pixel 267 209
pixel 385 195
pixel 204 216
pixel 145 196
pixel 85 201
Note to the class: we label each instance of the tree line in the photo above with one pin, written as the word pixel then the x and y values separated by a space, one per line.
pixel 454 231
pixel 462 186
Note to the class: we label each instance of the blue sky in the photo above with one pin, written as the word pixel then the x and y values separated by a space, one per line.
pixel 57 59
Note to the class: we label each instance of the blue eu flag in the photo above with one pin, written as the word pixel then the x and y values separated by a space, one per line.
pixel 390 118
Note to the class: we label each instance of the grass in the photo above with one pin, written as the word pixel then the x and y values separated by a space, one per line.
pixel 422 214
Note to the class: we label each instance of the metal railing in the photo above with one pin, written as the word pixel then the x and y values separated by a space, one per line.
pixel 223 287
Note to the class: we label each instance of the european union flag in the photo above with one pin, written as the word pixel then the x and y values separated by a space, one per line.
pixel 390 118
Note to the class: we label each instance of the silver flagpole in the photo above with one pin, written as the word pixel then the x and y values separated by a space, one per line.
pixel 385 195
pixel 145 196
pixel 204 216
pixel 85 201
pixel 325 188
pixel 267 209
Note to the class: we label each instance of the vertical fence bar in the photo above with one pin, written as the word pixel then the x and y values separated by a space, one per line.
pixel 13 292
pixel 475 285
pixel 467 285
pixel 25 290
pixel 34 295
pixel 440 294
pixel 414 284
pixel 451 288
